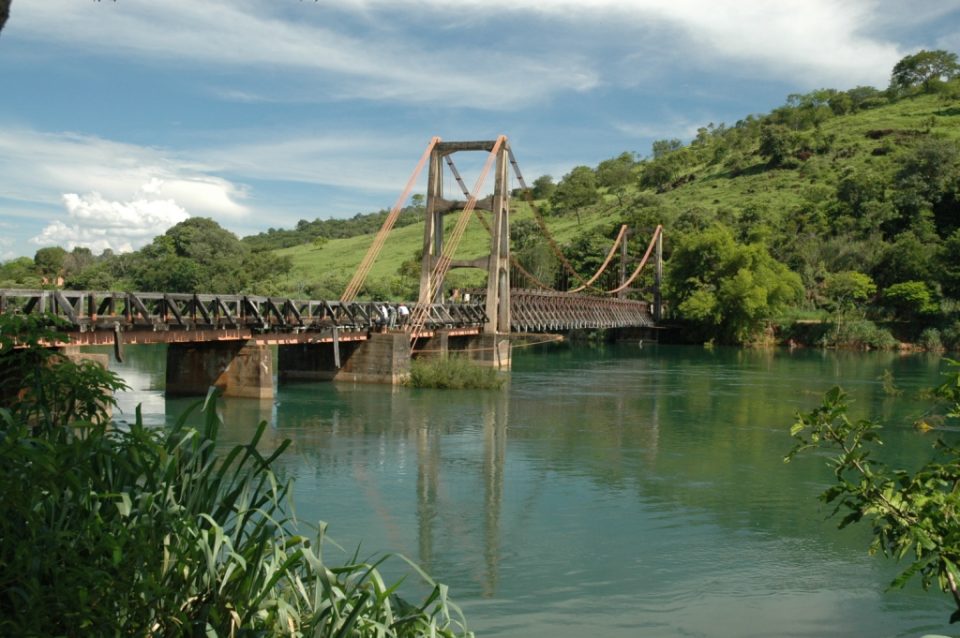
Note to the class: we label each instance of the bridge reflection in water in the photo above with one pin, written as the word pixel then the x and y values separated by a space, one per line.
pixel 447 479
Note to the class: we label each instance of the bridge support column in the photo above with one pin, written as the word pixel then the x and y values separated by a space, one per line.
pixel 74 354
pixel 484 349
pixel 435 347
pixel 313 361
pixel 238 368
pixel 498 269
pixel 383 358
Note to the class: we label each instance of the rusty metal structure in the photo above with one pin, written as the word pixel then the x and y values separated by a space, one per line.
pixel 97 318
pixel 438 251
pixel 551 311
pixel 499 309
pixel 568 310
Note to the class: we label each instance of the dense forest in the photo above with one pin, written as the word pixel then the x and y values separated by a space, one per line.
pixel 835 218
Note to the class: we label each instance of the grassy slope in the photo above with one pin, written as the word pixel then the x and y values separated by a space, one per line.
pixel 852 149
pixel 342 256
pixel 779 190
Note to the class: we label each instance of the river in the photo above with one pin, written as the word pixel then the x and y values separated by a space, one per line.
pixel 619 491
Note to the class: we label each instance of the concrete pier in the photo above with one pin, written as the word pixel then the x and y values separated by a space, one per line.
pixel 383 358
pixel 237 368
pixel 492 350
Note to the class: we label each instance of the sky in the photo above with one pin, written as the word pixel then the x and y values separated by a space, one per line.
pixel 121 118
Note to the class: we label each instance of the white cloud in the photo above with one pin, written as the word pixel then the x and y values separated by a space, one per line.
pixel 379 64
pixel 489 54
pixel 39 167
pixel 98 223
pixel 825 43
pixel 345 160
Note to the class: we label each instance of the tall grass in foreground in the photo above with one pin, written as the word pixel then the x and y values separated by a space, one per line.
pixel 453 373
pixel 136 531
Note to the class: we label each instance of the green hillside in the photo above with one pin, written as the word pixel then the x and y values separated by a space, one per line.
pixel 829 184
pixel 327 267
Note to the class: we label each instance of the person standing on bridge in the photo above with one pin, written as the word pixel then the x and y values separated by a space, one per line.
pixel 392 316
pixel 382 317
pixel 403 313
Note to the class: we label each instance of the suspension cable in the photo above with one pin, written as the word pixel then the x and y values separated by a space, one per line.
pixel 643 262
pixel 356 283
pixel 606 262
pixel 543 226
pixel 513 259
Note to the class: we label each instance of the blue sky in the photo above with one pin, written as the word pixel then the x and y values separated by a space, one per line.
pixel 118 119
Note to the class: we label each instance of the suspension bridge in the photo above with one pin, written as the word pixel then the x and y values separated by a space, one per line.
pixel 225 340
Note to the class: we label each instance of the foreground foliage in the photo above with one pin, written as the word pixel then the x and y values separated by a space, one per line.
pixel 915 514
pixel 453 373
pixel 146 532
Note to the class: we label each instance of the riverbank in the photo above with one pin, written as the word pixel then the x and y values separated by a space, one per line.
pixel 859 334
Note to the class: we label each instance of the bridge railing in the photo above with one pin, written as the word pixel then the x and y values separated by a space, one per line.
pixel 109 310
pixel 545 310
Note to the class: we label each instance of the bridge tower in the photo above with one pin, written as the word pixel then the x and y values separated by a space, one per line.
pixel 497 263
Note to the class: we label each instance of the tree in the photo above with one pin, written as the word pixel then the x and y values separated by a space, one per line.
pixel 662 148
pixel 198 255
pixel 928 181
pixel 543 187
pixel 615 174
pixel 924 67
pixel 728 288
pixel 847 289
pixel 910 299
pixel 577 189
pixel 949 265
pixel 908 258
pixel 663 171
pixel 4 12
pixel 533 253
pixel 616 171
pixel 911 513
pixel 777 143
pixel 77 260
pixel 21 271
pixel 49 261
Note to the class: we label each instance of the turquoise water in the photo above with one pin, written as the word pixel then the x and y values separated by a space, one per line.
pixel 624 491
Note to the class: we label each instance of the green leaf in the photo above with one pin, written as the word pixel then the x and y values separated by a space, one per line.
pixel 124 505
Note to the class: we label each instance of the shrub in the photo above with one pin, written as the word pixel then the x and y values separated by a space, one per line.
pixel 913 515
pixel 861 334
pixel 453 373
pixel 951 336
pixel 930 340
pixel 145 532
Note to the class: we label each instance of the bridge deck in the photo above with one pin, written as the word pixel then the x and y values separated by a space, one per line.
pixel 545 311
pixel 104 317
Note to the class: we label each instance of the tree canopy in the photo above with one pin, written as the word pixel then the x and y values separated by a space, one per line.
pixel 577 189
pixel 718 284
pixel 924 67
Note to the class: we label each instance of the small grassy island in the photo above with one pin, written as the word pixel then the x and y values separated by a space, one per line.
pixel 456 373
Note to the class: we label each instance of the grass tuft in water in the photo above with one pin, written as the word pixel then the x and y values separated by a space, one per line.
pixel 453 373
